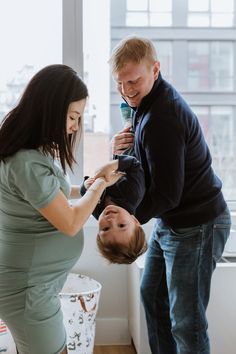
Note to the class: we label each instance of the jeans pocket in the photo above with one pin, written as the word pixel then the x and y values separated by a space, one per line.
pixel 220 236
pixel 186 232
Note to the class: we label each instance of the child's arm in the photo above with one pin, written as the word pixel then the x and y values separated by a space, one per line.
pixel 132 186
pixel 87 182
pixel 129 164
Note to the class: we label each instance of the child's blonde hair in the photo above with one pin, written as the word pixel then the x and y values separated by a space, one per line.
pixel 121 254
pixel 132 49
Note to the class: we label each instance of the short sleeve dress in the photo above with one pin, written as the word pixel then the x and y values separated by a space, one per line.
pixel 35 257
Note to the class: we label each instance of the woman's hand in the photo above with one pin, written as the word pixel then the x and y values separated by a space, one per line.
pixel 107 169
pixel 108 173
pixel 113 178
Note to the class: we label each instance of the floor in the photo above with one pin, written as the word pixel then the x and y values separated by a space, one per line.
pixel 114 349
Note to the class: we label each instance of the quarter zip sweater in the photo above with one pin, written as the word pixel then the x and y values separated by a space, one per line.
pixel 181 186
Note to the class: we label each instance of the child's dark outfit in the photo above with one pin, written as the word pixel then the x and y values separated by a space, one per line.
pixel 128 192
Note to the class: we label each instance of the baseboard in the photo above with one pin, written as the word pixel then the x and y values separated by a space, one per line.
pixel 112 331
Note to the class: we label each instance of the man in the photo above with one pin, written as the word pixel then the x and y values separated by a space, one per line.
pixel 182 193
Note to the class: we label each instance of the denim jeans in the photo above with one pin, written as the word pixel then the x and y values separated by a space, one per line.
pixel 176 281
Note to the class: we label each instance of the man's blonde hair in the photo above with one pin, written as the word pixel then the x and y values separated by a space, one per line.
pixel 132 49
pixel 121 254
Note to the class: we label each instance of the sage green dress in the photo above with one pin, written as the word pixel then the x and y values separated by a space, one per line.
pixel 35 258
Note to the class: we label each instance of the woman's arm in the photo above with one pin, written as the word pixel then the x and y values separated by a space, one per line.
pixel 75 192
pixel 69 219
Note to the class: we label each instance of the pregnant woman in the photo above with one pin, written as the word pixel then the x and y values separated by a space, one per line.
pixel 41 234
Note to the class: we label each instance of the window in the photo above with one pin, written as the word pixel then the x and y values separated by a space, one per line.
pixel 149 13
pixel 164 55
pixel 219 127
pixel 207 67
pixel 97 77
pixel 32 39
pixel 210 13
pixel 210 66
pixel 199 62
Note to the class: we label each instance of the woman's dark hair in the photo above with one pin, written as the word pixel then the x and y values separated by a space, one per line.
pixel 39 119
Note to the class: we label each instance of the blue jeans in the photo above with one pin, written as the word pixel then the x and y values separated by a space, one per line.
pixel 176 281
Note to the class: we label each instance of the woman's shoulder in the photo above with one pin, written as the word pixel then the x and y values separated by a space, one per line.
pixel 27 153
pixel 28 156
pixel 26 160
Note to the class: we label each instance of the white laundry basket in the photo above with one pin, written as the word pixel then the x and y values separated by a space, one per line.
pixel 79 300
pixel 7 345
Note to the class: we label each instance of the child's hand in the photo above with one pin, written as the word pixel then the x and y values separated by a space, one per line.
pixel 88 182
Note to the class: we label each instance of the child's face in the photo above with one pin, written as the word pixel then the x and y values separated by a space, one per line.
pixel 116 225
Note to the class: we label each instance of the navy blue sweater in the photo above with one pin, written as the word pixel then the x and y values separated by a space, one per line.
pixel 128 191
pixel 181 187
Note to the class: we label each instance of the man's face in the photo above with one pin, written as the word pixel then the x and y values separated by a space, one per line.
pixel 135 81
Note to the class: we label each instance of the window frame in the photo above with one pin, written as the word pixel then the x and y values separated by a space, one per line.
pixel 72 55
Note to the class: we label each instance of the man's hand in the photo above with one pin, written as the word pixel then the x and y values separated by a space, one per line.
pixel 122 141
